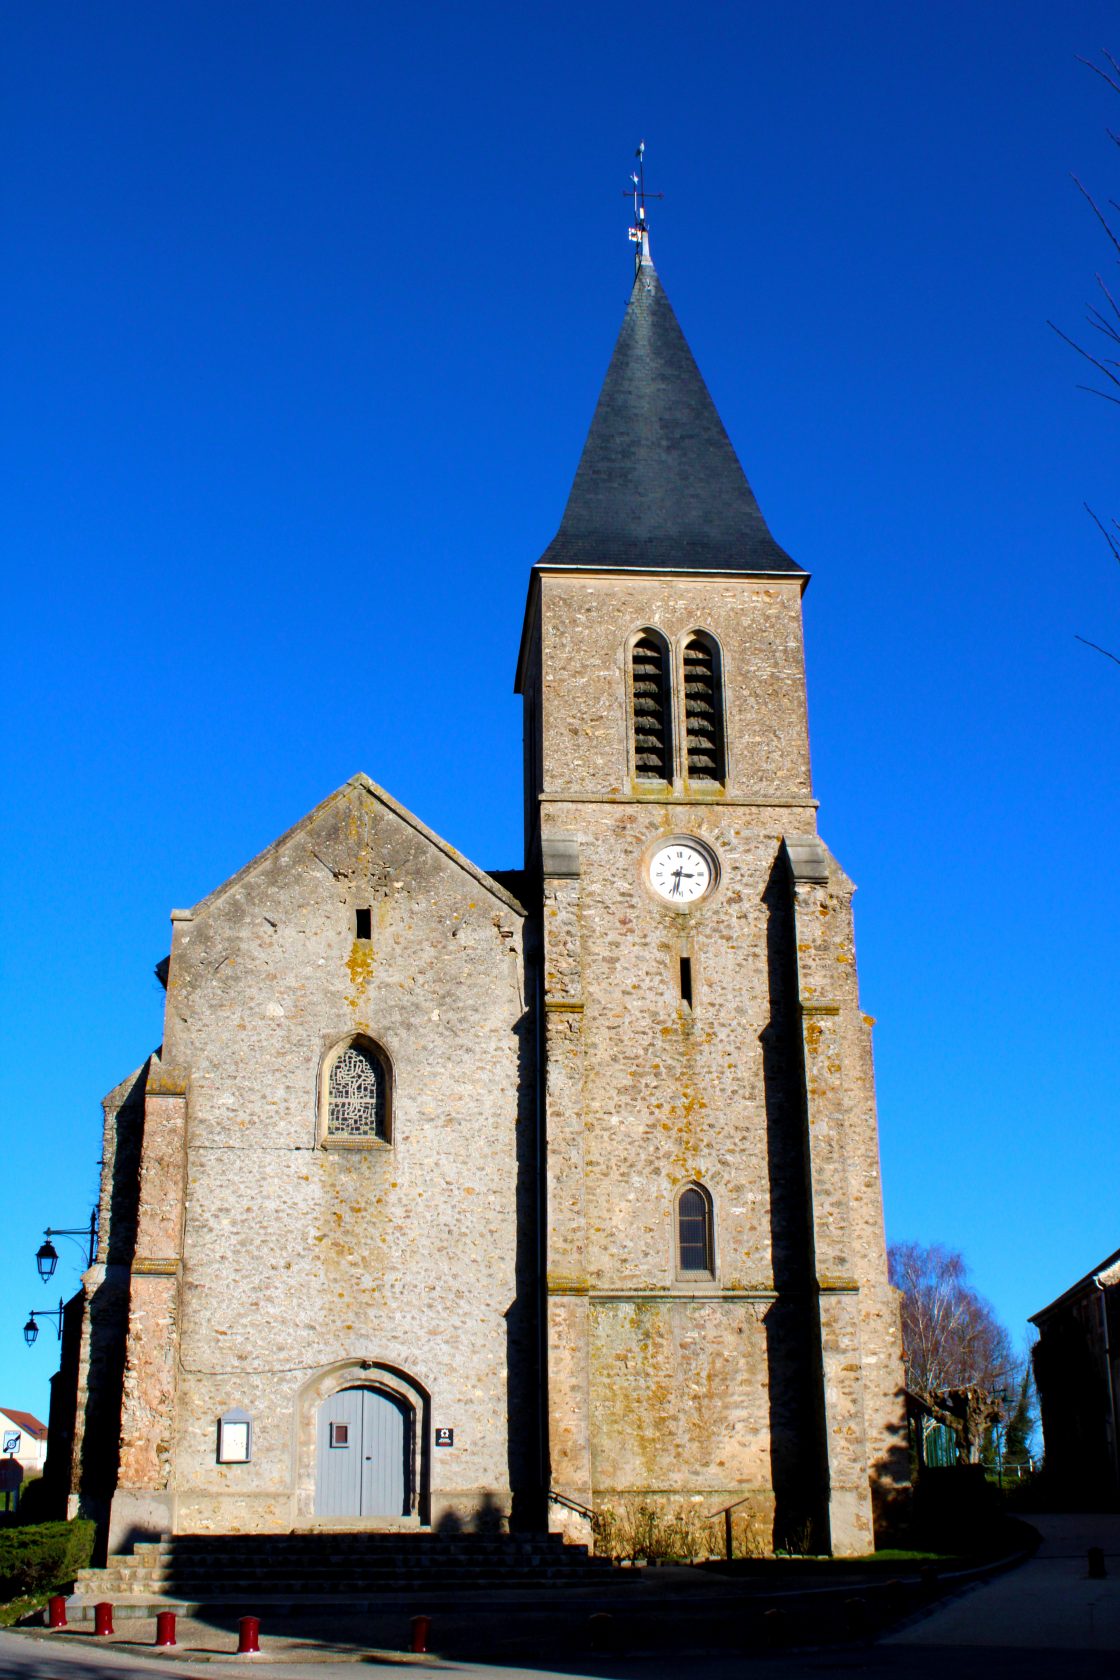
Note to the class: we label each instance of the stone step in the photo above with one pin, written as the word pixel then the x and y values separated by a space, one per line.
pixel 328 1567
pixel 192 1581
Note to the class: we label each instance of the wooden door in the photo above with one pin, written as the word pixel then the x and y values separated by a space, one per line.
pixel 364 1455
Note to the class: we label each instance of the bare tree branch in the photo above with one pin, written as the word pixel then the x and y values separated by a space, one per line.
pixel 1085 640
pixel 1103 320
pixel 1097 211
pixel 1112 542
pixel 1102 367
pixel 1103 74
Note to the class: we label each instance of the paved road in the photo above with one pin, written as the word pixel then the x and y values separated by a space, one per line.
pixel 21 1659
pixel 1044 1621
pixel 1049 1604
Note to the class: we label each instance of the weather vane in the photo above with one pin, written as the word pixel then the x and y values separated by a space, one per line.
pixel 639 233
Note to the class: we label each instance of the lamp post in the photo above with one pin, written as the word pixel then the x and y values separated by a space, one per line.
pixel 31 1328
pixel 46 1257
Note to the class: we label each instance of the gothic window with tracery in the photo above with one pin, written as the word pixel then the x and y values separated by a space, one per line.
pixel 356 1095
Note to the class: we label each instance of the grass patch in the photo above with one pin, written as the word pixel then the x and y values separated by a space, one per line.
pixel 17 1608
pixel 899 1554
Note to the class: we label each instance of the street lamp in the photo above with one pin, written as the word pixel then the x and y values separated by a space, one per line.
pixel 31 1328
pixel 46 1257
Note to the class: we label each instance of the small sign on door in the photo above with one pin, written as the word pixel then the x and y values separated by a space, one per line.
pixel 445 1437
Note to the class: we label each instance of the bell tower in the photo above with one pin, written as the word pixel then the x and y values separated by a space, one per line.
pixel 720 1331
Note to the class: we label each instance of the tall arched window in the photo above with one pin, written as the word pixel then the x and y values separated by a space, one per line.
pixel 703 710
pixel 694 1233
pixel 652 714
pixel 356 1096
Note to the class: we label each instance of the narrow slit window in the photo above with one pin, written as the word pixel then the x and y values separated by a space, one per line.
pixel 703 711
pixel 694 1233
pixel 686 981
pixel 363 924
pixel 653 736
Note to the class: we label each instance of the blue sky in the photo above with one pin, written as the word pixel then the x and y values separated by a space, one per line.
pixel 307 308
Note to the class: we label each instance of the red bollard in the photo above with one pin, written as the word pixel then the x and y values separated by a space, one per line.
pixel 420 1626
pixel 165 1627
pixel 103 1618
pixel 56 1612
pixel 249 1636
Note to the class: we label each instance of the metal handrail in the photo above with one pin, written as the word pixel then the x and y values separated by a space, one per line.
pixel 723 1510
pixel 728 1533
pixel 572 1504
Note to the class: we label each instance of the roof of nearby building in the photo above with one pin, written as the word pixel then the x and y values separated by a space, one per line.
pixel 1082 1284
pixel 659 486
pixel 25 1421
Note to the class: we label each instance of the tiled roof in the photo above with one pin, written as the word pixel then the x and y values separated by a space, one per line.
pixel 659 485
pixel 26 1421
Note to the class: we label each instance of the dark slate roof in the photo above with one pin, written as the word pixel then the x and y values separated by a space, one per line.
pixel 658 484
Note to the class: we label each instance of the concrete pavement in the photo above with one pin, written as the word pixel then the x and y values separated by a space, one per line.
pixel 1043 1621
pixel 1047 1604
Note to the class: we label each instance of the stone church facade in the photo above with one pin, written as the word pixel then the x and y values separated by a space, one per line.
pixel 453 1198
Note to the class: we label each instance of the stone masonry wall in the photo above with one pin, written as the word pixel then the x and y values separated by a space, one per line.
pixel 691 1389
pixel 306 1268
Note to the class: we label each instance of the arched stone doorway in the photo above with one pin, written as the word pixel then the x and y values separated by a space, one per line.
pixel 364 1454
pixel 396 1422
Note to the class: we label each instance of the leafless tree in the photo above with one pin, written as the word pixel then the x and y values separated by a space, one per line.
pixel 959 1358
pixel 1103 318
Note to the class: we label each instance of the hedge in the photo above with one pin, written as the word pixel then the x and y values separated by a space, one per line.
pixel 43 1556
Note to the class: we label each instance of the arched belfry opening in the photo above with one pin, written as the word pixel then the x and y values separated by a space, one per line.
pixel 651 708
pixel 705 752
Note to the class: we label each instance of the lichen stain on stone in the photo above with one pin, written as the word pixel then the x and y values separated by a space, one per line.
pixel 360 966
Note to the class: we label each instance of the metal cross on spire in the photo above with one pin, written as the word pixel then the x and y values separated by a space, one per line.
pixel 639 233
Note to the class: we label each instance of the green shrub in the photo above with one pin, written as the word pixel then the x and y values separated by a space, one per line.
pixel 37 1503
pixel 43 1556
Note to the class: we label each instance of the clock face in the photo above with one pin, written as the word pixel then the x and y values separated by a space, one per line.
pixel 681 872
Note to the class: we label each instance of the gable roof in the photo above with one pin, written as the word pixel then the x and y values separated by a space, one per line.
pixel 25 1421
pixel 360 783
pixel 659 486
pixel 1089 1281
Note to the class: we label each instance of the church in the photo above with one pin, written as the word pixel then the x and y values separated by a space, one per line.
pixel 461 1198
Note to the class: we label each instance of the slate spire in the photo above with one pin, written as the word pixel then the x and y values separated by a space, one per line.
pixel 659 486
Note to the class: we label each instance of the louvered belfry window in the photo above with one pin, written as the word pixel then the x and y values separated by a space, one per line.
pixel 703 711
pixel 653 736
pixel 356 1095
pixel 694 1232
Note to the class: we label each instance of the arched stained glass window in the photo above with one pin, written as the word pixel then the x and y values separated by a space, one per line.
pixel 652 717
pixel 694 1232
pixel 356 1095
pixel 703 710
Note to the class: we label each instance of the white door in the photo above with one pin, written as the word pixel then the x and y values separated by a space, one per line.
pixel 364 1454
